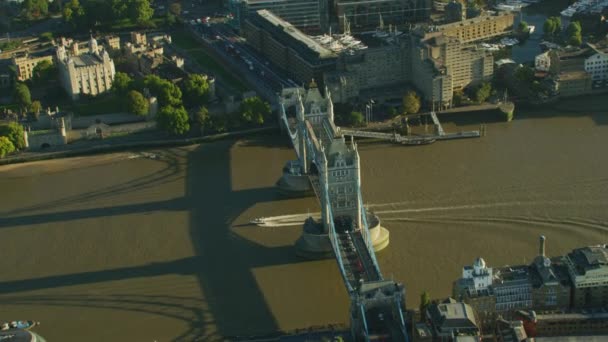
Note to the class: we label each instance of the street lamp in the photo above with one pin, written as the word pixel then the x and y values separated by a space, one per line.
pixel 371 109
pixel 367 113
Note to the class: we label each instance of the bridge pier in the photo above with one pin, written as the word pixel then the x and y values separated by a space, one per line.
pixel 314 244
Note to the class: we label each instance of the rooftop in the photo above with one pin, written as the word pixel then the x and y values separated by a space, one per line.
pixel 453 316
pixel 86 59
pixel 517 273
pixel 296 34
pixel 589 258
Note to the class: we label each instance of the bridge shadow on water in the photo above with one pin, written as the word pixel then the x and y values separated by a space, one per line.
pixel 232 302
pixel 226 260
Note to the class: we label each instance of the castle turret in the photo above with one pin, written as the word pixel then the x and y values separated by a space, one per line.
pixel 541 245
pixel 330 105
pixel 61 55
pixel 93 48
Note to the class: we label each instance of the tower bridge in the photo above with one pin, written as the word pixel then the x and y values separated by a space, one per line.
pixel 329 166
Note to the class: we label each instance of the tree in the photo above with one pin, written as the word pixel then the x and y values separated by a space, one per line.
pixel 254 110
pixel 120 8
pixel 140 11
pixel 356 118
pixel 173 120
pixel 22 96
pixel 574 31
pixel 552 25
pixel 14 132
pixel 137 103
pixel 523 27
pixel 122 82
pixel 74 14
pixel 44 71
pixel 6 147
pixel 175 8
pixel 201 117
pixel 411 103
pixel 425 301
pixel 483 92
pixel 168 94
pixel 35 9
pixel 35 108
pixel 196 89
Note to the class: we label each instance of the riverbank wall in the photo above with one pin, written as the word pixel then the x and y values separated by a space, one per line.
pixel 108 148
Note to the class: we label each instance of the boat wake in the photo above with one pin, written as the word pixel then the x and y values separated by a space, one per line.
pixel 284 220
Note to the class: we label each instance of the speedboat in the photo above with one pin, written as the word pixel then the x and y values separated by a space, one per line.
pixel 258 220
pixel 24 325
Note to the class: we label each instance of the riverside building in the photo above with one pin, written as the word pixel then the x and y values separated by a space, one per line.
pixel 307 15
pixel 588 270
pixel 89 73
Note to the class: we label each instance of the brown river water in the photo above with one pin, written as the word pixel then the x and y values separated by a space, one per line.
pixel 122 247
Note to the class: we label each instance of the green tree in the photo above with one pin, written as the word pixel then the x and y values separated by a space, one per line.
pixel 168 94
pixel 411 103
pixel 173 120
pixel 35 9
pixel 201 117
pixel 22 97
pixel 196 89
pixel 254 110
pixel 574 31
pixel 120 8
pixel 137 104
pixel 576 39
pixel 175 8
pixel 122 83
pixel 44 71
pixel 425 301
pixel 6 147
pixel 523 27
pixel 483 92
pixel 74 14
pixel 356 118
pixel 552 25
pixel 35 108
pixel 140 11
pixel 14 132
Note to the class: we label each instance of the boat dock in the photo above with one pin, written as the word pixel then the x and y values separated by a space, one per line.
pixel 397 138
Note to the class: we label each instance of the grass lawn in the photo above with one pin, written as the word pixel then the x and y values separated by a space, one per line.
pixel 101 105
pixel 127 24
pixel 184 40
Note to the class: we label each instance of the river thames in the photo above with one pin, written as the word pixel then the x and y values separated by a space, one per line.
pixel 127 247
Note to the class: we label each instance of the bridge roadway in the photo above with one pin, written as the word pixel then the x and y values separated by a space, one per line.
pixel 357 261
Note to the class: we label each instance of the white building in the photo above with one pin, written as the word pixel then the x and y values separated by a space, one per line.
pixel 542 62
pixel 89 73
pixel 478 276
pixel 597 64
